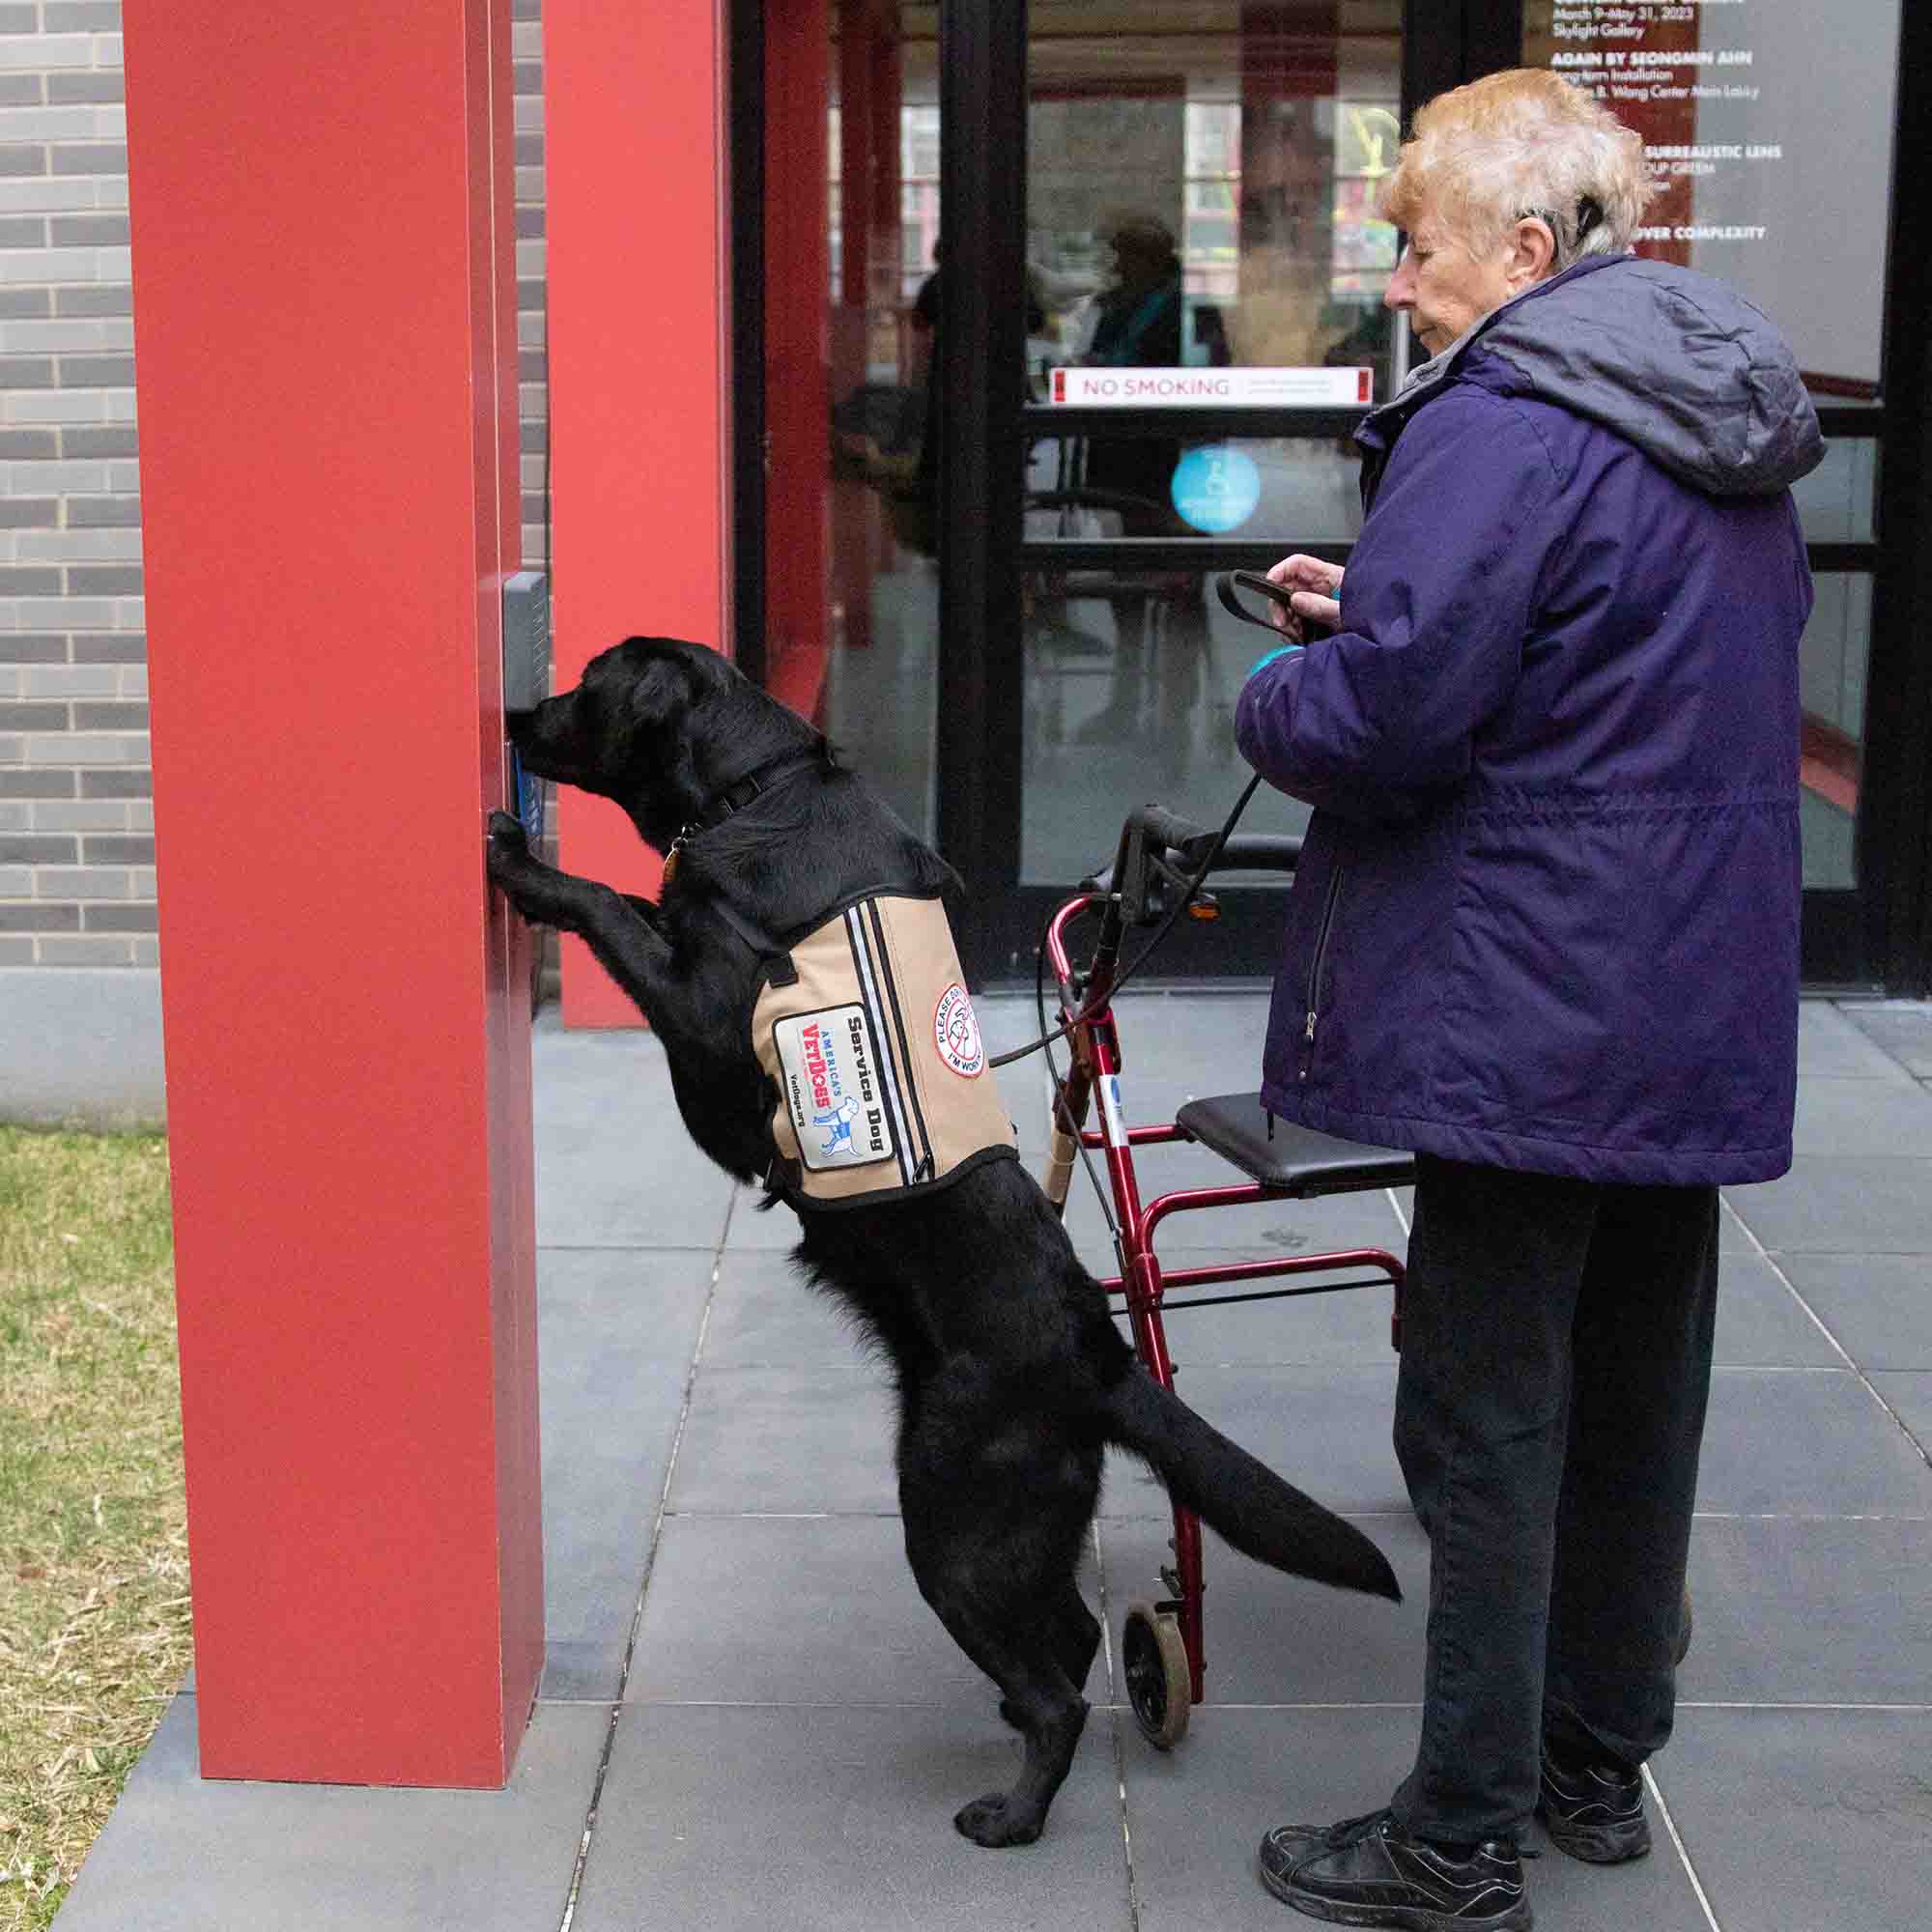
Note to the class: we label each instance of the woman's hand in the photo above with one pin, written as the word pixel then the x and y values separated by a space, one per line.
pixel 1315 584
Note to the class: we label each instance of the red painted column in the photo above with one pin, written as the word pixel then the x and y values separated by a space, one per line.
pixel 324 256
pixel 637 220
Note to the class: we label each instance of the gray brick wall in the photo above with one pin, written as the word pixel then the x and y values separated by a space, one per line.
pixel 76 827
pixel 76 821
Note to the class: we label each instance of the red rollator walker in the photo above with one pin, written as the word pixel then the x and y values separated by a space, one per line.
pixel 1160 856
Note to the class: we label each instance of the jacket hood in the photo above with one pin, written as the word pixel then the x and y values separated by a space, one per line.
pixel 1676 363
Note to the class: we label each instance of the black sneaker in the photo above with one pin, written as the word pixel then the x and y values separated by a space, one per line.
pixel 1594 1813
pixel 1368 1872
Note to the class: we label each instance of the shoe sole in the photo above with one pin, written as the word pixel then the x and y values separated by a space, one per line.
pixel 1402 1917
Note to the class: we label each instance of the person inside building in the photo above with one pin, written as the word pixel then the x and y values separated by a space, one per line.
pixel 1138 320
pixel 1545 933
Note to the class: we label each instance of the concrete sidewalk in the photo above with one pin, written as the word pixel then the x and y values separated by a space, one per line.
pixel 749 1717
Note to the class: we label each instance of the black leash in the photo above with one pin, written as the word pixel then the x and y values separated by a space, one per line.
pixel 1226 584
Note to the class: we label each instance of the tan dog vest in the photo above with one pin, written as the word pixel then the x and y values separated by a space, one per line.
pixel 865 1029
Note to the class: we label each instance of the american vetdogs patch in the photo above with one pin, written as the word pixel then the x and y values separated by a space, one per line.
pixel 865 1026
pixel 831 1084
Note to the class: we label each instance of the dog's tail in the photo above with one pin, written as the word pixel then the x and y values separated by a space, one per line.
pixel 1238 1497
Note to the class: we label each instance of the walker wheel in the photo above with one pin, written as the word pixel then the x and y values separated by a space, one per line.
pixel 1159 1685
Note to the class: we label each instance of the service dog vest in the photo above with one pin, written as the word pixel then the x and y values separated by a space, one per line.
pixel 865 1028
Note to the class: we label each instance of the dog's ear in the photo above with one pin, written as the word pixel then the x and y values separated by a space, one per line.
pixel 653 706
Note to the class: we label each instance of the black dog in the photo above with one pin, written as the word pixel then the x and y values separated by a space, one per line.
pixel 1011 1376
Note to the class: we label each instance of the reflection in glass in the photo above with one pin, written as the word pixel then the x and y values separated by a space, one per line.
pixel 1832 661
pixel 1255 143
pixel 1834 502
pixel 1131 681
pixel 861 658
pixel 1248 142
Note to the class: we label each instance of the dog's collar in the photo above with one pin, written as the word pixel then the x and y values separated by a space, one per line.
pixel 734 797
pixel 762 779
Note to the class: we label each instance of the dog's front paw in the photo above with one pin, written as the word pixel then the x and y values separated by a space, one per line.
pixel 994 1820
pixel 505 845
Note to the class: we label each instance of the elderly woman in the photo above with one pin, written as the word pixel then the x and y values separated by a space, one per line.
pixel 1545 934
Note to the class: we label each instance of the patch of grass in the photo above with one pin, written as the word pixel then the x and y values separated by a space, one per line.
pixel 94 1611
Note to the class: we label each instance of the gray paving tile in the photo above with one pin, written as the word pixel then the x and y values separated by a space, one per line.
pixel 1798 1820
pixel 1901 1028
pixel 1818 1610
pixel 1838 1205
pixel 764 1313
pixel 583 1670
pixel 575 1069
pixel 1266 1228
pixel 798 1610
pixel 1275 1640
pixel 1862 1117
pixel 1806 1442
pixel 616 1332
pixel 1910 1399
pixel 1176 1047
pixel 1208 1037
pixel 1761 1324
pixel 752 1224
pixel 181 1854
pixel 786 1440
pixel 1325 1429
pixel 1830 1047
pixel 1733 1237
pixel 825 1819
pixel 1348 1327
pixel 1878 1306
pixel 1198 1813
pixel 613 1162
pixel 620 1182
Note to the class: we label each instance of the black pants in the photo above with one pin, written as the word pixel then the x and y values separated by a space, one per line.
pixel 1555 1367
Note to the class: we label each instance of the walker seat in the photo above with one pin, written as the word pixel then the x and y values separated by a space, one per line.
pixel 1284 1155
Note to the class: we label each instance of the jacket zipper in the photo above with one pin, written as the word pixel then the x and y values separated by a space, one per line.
pixel 1314 968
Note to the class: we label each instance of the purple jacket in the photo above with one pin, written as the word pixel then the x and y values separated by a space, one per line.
pixel 1546 914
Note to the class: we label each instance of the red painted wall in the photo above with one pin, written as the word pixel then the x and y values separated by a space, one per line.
pixel 635 153
pixel 798 352
pixel 323 262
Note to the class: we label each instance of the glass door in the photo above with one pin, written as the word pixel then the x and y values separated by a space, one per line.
pixel 836 181
pixel 1183 221
pixel 1201 251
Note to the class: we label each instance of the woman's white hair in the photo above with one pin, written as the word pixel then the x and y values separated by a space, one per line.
pixel 1521 143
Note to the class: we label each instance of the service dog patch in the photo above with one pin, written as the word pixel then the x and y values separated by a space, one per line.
pixel 831 1086
pixel 865 1026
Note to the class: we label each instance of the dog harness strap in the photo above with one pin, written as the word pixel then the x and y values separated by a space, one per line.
pixel 876 988
pixel 762 942
pixel 873 931
pixel 876 1055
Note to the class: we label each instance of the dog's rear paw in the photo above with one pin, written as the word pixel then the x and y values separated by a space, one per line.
pixel 993 1821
